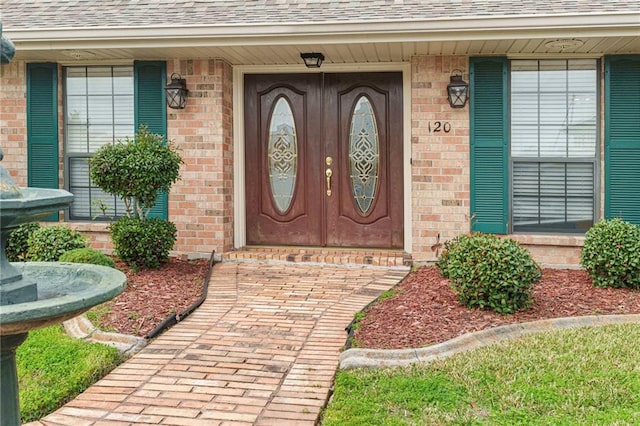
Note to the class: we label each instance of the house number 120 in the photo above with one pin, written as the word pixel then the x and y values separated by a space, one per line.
pixel 439 126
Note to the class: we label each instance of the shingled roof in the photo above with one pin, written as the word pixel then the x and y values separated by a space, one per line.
pixel 54 14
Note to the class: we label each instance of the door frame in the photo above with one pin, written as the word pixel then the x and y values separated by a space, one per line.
pixel 239 196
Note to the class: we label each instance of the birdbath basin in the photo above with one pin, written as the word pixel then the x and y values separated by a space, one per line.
pixel 64 290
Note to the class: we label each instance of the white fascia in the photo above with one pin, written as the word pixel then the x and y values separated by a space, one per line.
pixel 441 29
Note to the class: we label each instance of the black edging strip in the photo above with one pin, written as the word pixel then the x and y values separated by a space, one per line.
pixel 173 319
pixel 350 330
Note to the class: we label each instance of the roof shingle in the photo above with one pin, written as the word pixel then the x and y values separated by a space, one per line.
pixel 43 14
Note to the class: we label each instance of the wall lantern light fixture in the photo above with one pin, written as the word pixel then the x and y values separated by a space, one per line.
pixel 457 90
pixel 313 59
pixel 177 92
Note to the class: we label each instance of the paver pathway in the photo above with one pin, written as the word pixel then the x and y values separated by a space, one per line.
pixel 262 349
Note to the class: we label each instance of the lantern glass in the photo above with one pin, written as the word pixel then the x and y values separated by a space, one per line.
pixel 312 60
pixel 457 91
pixel 177 92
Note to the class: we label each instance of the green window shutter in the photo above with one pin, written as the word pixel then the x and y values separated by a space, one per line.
pixel 622 137
pixel 150 109
pixel 489 149
pixel 42 127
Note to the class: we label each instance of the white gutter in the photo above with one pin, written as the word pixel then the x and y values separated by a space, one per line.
pixel 451 29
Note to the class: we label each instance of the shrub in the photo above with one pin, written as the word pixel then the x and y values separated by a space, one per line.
pixel 135 170
pixel 48 243
pixel 488 272
pixel 143 243
pixel 443 260
pixel 611 254
pixel 18 242
pixel 87 255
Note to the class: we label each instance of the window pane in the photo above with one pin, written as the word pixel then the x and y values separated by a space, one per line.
pixel 76 108
pixel 99 136
pixel 81 202
pixel 100 81
pixel 76 81
pixel 527 137
pixel 77 138
pixel 123 110
pixel 122 80
pixel 100 109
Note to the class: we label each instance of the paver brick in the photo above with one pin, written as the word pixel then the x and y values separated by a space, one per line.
pixel 133 417
pixel 225 415
pixel 172 411
pixel 179 421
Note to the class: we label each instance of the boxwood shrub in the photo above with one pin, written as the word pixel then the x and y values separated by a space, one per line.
pixel 143 242
pixel 48 243
pixel 488 272
pixel 611 254
pixel 87 255
pixel 18 242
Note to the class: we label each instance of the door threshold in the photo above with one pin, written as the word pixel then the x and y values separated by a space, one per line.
pixel 332 255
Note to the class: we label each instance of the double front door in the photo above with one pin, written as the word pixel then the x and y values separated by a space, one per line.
pixel 324 159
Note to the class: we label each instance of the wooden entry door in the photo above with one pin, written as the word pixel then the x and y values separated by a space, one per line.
pixel 324 159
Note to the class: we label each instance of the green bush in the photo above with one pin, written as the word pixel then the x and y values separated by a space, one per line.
pixel 143 243
pixel 48 243
pixel 87 255
pixel 611 254
pixel 443 260
pixel 488 272
pixel 136 170
pixel 18 242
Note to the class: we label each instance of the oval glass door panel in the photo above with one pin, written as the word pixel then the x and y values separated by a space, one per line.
pixel 282 155
pixel 364 154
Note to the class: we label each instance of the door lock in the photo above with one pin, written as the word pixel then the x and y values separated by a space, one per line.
pixel 328 173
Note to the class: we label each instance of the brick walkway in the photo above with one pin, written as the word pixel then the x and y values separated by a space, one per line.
pixel 262 349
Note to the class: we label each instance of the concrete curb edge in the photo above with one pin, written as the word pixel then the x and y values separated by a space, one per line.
pixel 81 328
pixel 377 358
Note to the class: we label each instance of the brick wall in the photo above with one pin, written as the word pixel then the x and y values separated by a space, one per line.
pixel 201 203
pixel 13 120
pixel 440 155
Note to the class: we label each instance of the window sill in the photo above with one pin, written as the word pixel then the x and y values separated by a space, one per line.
pixel 89 226
pixel 549 240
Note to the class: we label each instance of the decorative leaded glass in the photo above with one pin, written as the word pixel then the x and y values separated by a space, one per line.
pixel 282 155
pixel 364 154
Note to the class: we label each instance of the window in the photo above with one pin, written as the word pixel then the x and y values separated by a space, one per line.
pixel 553 144
pixel 99 110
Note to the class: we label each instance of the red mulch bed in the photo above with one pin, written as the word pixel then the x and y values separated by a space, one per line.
pixel 152 295
pixel 426 310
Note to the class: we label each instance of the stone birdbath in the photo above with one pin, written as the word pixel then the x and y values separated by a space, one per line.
pixel 38 294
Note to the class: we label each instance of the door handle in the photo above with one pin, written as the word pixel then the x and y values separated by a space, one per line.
pixel 328 173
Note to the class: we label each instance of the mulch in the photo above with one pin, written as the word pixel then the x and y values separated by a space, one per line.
pixel 152 295
pixel 426 310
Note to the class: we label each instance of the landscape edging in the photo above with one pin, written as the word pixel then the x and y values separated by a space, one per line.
pixel 378 358
pixel 81 328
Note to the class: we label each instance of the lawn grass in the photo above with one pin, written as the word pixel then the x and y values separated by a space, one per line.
pixel 585 376
pixel 53 368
